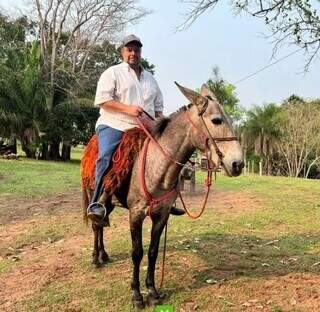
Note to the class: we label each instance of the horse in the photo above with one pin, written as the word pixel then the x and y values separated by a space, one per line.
pixel 203 125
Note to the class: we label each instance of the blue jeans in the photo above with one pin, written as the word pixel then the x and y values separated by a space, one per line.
pixel 108 139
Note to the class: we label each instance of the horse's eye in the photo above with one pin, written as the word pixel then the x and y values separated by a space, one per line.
pixel 217 121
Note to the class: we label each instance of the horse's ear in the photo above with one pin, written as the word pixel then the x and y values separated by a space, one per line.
pixel 193 96
pixel 205 91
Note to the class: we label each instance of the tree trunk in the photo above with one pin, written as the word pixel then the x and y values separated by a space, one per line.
pixel 25 145
pixel 66 151
pixel 29 152
pixel 54 153
pixel 14 145
pixel 44 151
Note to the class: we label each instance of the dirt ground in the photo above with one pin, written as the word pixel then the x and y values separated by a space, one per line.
pixel 33 257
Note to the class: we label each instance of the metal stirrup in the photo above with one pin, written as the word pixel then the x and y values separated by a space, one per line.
pixel 99 204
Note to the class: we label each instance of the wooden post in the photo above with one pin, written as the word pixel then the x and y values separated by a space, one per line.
pixel 260 167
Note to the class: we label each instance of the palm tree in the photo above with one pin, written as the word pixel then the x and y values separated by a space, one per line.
pixel 262 129
pixel 22 97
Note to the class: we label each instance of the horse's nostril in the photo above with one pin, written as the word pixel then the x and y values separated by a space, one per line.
pixel 237 165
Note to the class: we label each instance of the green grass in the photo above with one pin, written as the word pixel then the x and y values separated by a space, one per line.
pixel 6 265
pixel 43 233
pixel 33 178
pixel 279 235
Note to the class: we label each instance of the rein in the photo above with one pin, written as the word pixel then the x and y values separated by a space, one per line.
pixel 154 201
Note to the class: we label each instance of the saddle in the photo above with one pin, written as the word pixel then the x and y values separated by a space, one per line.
pixel 122 160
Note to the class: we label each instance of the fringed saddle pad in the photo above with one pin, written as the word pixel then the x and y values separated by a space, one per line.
pixel 123 159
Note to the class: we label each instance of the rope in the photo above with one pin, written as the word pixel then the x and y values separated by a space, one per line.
pixel 153 201
pixel 164 255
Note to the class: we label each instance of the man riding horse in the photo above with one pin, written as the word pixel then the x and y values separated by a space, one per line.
pixel 124 92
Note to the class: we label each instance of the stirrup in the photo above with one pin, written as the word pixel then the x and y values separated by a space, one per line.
pixel 99 204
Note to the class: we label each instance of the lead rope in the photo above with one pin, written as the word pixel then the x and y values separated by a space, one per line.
pixel 164 255
pixel 208 181
pixel 208 185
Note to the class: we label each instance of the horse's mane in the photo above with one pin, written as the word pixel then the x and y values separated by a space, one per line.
pixel 162 124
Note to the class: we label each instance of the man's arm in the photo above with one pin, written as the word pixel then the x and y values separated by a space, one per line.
pixel 116 106
pixel 105 95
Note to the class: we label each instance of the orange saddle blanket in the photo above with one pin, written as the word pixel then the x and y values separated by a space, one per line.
pixel 123 159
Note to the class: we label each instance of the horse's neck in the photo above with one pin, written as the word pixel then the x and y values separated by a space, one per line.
pixel 162 173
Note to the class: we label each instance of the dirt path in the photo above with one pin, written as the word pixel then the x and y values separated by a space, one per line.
pixel 42 242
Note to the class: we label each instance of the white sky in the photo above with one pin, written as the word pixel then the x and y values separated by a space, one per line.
pixel 233 43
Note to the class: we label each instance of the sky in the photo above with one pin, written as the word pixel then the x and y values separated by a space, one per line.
pixel 234 43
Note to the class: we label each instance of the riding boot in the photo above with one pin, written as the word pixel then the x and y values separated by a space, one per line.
pixel 177 211
pixel 108 140
pixel 96 210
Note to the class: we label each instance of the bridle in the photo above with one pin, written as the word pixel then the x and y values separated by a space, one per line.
pixel 208 137
pixel 154 201
pixel 211 166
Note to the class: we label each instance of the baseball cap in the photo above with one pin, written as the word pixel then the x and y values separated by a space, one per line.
pixel 131 38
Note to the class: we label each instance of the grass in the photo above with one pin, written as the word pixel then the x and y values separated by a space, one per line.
pixel 51 232
pixel 34 178
pixel 266 252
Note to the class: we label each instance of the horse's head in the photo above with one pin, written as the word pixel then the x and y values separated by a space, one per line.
pixel 210 123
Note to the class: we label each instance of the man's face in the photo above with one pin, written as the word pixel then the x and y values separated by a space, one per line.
pixel 131 54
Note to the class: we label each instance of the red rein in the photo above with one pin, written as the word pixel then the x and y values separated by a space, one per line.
pixel 154 201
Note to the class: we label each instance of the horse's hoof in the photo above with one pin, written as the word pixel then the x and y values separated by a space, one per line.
pixel 138 304
pixel 104 258
pixel 96 263
pixel 153 301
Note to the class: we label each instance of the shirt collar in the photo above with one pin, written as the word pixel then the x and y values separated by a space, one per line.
pixel 129 68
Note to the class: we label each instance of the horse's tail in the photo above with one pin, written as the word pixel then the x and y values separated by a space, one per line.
pixel 88 162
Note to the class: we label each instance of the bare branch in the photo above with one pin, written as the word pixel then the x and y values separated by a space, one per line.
pixel 289 22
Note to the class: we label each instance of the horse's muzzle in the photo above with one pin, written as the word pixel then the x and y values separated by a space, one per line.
pixel 237 167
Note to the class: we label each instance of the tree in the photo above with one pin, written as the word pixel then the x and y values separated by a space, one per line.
pixel 70 30
pixel 289 21
pixel 73 37
pixel 261 131
pixel 225 94
pixel 22 97
pixel 300 137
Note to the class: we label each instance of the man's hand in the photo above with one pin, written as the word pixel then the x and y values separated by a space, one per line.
pixel 159 115
pixel 134 111
pixel 131 110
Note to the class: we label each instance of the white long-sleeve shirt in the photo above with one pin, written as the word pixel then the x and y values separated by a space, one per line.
pixel 120 83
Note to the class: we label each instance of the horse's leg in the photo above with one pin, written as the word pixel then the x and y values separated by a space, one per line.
pixel 95 253
pixel 157 228
pixel 137 254
pixel 103 256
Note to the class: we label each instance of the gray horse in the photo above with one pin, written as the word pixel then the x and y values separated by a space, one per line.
pixel 202 125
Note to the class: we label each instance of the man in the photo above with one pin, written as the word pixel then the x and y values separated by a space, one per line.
pixel 124 91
